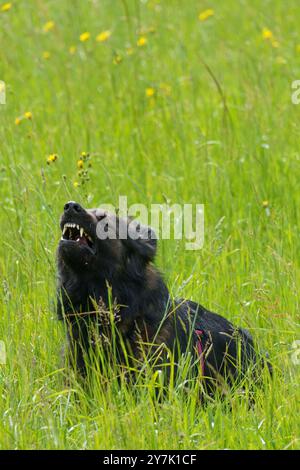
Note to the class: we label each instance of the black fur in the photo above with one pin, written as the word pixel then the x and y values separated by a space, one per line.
pixel 144 311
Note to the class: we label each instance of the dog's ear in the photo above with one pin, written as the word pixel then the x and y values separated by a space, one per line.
pixel 141 240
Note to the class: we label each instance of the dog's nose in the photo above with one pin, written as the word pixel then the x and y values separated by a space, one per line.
pixel 72 207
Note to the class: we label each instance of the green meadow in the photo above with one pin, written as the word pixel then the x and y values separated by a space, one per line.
pixel 174 102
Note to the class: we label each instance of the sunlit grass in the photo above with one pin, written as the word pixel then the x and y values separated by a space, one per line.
pixel 170 107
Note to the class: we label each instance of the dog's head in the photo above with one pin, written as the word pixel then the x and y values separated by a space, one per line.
pixel 94 240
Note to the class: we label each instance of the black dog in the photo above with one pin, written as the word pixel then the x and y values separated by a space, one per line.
pixel 93 272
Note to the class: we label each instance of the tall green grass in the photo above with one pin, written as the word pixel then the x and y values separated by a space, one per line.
pixel 220 130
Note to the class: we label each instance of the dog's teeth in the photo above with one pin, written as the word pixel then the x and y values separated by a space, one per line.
pixel 65 229
pixel 77 226
pixel 81 232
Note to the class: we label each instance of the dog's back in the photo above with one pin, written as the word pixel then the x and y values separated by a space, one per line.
pixel 227 352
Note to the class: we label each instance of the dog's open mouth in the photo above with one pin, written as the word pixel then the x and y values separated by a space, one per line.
pixel 74 232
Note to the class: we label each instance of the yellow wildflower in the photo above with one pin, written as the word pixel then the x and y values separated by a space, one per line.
pixel 46 55
pixel 104 36
pixel 6 6
pixel 85 155
pixel 80 164
pixel 204 15
pixel 28 115
pixel 72 50
pixel 267 33
pixel 52 158
pixel 76 184
pixel 142 41
pixel 85 36
pixel 265 203
pixel 18 121
pixel 49 26
pixel 150 92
